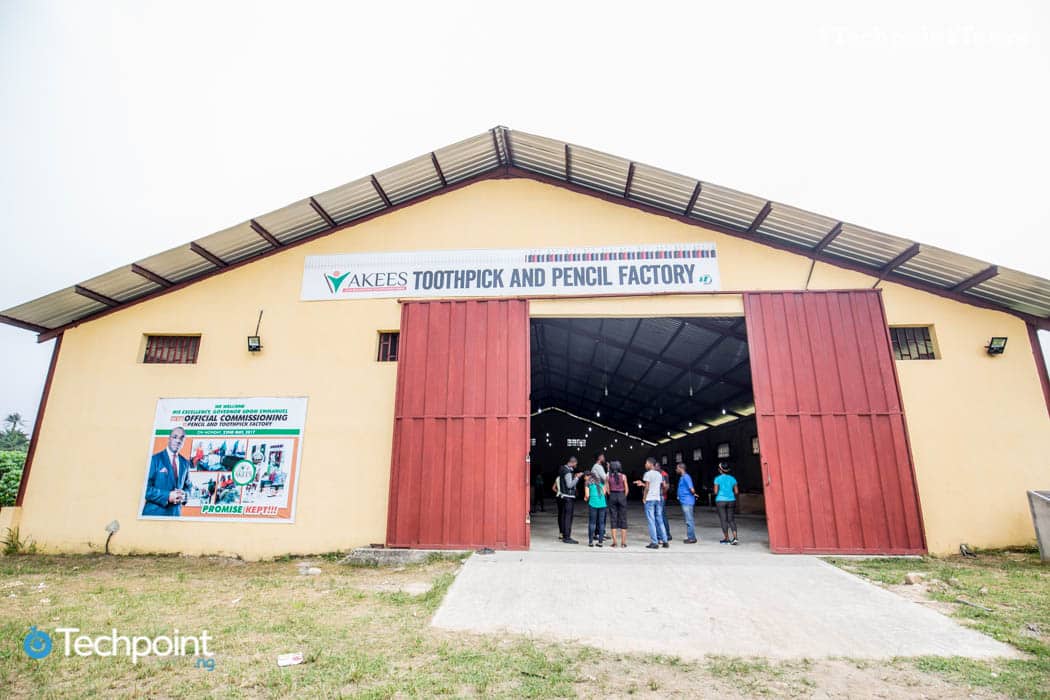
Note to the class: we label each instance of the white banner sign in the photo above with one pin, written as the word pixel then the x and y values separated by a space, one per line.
pixel 686 267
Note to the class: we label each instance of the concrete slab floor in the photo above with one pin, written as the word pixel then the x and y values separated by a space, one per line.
pixel 694 600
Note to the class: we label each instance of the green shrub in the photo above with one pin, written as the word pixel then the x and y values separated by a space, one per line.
pixel 11 464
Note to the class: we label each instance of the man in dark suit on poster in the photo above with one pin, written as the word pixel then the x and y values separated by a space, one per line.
pixel 166 483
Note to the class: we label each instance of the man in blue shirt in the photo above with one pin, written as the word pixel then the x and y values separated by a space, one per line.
pixel 687 499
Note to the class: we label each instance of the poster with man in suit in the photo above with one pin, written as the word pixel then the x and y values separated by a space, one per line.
pixel 224 459
pixel 166 481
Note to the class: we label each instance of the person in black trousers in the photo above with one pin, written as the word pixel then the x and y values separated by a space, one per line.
pixel 567 478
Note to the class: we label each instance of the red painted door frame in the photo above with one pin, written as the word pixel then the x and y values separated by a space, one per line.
pixel 836 459
pixel 459 476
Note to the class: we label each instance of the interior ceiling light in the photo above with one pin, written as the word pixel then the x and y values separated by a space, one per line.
pixel 723 411
pixel 598 414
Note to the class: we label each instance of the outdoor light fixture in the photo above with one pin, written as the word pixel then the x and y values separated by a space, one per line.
pixel 723 411
pixel 598 414
pixel 996 346
pixel 254 341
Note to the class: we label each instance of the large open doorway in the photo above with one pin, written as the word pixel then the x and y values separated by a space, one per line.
pixel 809 375
pixel 676 389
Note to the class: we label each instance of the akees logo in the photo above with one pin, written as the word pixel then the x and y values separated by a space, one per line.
pixel 37 643
pixel 704 280
pixel 335 280
pixel 365 281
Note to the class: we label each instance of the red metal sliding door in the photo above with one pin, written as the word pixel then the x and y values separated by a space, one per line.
pixel 459 476
pixel 835 457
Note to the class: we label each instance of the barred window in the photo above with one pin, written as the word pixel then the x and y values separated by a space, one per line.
pixel 388 343
pixel 912 343
pixel 171 349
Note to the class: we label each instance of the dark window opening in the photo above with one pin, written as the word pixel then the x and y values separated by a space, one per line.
pixel 912 343
pixel 171 349
pixel 388 347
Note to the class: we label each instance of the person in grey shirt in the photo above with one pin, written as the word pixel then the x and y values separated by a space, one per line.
pixel 598 470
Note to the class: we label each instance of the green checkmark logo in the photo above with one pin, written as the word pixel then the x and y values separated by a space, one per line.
pixel 335 281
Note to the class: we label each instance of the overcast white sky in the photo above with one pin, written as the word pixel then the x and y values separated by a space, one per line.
pixel 128 128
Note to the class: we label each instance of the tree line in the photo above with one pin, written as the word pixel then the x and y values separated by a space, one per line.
pixel 13 446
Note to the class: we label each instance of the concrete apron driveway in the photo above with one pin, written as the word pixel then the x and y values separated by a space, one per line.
pixel 691 601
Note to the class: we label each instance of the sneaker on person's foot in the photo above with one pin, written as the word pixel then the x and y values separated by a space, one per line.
pixel 664 545
pixel 569 540
pixel 590 544
pixel 652 545
pixel 689 541
pixel 599 543
pixel 723 541
pixel 734 541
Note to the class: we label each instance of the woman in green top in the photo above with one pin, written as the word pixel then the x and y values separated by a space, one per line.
pixel 596 491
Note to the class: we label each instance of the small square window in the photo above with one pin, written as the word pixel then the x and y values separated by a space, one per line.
pixel 171 349
pixel 723 450
pixel 912 343
pixel 388 343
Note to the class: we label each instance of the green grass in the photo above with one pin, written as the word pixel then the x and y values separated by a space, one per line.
pixel 361 640
pixel 1013 585
pixel 357 641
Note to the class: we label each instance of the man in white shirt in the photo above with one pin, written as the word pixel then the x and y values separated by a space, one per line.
pixel 653 501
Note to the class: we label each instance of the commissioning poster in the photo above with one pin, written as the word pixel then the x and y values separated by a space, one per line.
pixel 678 267
pixel 224 459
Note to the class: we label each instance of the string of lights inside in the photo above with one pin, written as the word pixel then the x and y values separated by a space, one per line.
pixel 655 378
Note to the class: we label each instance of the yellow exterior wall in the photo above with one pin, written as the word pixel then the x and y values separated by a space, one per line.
pixel 979 428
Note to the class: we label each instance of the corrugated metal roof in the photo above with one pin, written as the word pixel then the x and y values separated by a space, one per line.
pixel 523 154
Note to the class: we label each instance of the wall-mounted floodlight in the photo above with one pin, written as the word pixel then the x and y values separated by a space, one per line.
pixel 254 341
pixel 996 346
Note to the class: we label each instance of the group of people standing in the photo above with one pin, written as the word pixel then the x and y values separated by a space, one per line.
pixel 606 490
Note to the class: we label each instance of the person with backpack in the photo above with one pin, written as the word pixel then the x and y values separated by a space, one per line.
pixel 652 498
pixel 617 513
pixel 567 478
pixel 726 492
